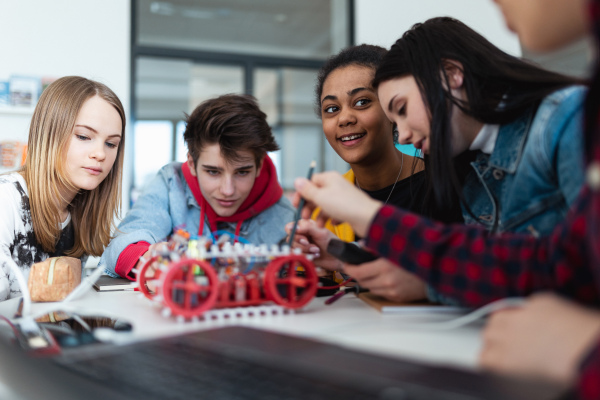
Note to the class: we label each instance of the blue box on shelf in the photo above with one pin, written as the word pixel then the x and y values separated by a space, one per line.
pixel 4 93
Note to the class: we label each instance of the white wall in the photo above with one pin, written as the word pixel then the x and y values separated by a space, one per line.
pixel 91 38
pixel 382 22
pixel 65 37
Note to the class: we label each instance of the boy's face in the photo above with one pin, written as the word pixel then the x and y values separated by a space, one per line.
pixel 224 184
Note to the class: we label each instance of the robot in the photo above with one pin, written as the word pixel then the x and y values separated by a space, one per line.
pixel 192 275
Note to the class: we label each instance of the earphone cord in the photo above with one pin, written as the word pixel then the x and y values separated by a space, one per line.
pixel 393 187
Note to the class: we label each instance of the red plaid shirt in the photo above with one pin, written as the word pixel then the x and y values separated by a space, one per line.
pixel 475 267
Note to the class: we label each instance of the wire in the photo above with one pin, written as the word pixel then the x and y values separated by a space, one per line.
pixel 83 324
pixel 84 285
pixel 69 309
pixel 14 328
pixel 335 286
pixel 508 302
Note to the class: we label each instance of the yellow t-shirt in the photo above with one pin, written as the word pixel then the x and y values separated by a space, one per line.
pixel 344 231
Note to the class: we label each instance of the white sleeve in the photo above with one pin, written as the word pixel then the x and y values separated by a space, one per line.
pixel 9 217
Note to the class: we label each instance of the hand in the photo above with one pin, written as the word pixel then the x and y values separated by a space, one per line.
pixel 148 255
pixel 338 199
pixel 388 280
pixel 314 240
pixel 546 338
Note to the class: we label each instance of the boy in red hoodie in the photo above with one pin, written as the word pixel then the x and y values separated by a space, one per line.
pixel 228 185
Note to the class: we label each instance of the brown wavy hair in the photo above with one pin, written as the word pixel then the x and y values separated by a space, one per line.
pixel 92 212
pixel 235 122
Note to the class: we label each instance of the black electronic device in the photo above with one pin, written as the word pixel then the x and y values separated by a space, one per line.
pixel 349 252
pixel 239 362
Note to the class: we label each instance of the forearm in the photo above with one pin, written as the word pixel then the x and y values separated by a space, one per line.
pixel 468 264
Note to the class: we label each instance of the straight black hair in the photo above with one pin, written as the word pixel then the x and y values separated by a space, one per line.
pixel 499 88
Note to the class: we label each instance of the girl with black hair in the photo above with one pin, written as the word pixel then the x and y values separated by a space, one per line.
pixel 501 138
pixel 358 130
pixel 552 336
pixel 462 101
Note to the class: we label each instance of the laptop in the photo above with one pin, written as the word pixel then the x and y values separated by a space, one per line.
pixel 245 363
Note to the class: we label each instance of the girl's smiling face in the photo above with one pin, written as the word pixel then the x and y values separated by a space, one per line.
pixel 353 122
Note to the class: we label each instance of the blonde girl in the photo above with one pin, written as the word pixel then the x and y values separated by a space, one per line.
pixel 64 200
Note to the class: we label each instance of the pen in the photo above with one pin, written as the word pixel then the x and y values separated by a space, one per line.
pixel 313 163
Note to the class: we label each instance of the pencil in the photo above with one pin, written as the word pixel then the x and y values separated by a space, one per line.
pixel 313 164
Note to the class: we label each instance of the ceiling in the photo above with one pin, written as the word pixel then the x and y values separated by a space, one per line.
pixel 283 28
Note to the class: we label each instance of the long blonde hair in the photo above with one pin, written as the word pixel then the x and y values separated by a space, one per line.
pixel 92 212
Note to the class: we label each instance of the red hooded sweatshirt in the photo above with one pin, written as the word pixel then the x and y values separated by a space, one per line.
pixel 265 192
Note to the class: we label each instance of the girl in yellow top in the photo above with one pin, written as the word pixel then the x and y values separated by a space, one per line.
pixel 360 133
pixel 357 129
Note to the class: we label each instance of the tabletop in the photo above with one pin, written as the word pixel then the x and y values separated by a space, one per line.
pixel 349 322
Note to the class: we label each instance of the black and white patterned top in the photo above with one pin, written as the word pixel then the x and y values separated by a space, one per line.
pixel 18 245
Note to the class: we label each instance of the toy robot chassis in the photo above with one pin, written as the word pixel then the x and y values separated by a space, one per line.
pixel 189 277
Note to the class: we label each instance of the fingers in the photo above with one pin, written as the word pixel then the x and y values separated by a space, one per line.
pixel 386 279
pixel 307 247
pixel 496 337
pixel 143 260
pixel 362 273
pixel 308 237
pixel 310 192
pixel 304 225
pixel 304 189
pixel 158 248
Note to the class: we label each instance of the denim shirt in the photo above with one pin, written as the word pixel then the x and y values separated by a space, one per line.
pixel 168 202
pixel 534 173
pixel 536 169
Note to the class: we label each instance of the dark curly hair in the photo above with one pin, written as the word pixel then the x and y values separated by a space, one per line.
pixel 366 55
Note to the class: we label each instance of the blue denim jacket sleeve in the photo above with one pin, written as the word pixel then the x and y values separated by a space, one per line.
pixel 167 202
pixel 151 217
pixel 535 172
pixel 569 157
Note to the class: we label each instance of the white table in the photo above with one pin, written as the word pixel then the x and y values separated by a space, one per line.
pixel 348 322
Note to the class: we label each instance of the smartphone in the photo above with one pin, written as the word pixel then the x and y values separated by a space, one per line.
pixel 349 252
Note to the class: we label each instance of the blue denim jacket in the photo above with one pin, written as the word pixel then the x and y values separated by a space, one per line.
pixel 168 202
pixel 535 171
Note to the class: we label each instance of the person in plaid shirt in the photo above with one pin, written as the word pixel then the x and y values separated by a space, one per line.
pixel 474 267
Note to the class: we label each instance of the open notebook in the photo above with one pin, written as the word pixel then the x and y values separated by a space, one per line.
pixel 386 306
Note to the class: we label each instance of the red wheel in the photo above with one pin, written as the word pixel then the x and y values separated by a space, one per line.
pixel 286 285
pixel 190 287
pixel 143 276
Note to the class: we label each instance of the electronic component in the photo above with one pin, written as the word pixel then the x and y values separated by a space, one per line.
pixel 349 252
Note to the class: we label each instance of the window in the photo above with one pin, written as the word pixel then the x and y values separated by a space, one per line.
pixel 147 154
pixel 185 52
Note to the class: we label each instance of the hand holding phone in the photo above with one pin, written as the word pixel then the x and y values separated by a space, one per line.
pixel 349 252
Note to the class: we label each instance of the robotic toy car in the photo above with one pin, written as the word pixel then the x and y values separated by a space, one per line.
pixel 192 275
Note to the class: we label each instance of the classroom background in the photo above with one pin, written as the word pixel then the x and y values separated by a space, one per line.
pixel 163 58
